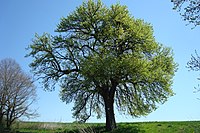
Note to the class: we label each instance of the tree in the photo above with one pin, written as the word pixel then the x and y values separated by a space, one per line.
pixel 103 56
pixel 190 10
pixel 194 65
pixel 17 92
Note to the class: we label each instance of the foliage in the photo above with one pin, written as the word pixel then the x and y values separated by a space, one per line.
pixel 103 55
pixel 17 93
pixel 190 10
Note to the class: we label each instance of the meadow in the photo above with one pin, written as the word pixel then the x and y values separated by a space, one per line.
pixel 136 127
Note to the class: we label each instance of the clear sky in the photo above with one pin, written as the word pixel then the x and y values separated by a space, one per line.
pixel 21 19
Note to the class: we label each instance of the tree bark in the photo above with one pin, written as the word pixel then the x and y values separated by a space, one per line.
pixel 110 116
pixel 1 118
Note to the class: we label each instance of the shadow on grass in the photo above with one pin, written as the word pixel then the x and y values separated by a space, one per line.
pixel 89 129
pixel 122 128
pixel 128 128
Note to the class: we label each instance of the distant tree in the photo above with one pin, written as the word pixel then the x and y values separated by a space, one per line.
pixel 17 92
pixel 189 9
pixel 194 65
pixel 103 55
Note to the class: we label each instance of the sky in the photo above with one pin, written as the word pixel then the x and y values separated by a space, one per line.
pixel 21 19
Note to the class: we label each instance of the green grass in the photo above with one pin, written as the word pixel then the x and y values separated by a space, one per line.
pixel 161 127
pixel 137 127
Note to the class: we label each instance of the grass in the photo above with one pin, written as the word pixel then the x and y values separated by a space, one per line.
pixel 137 127
pixel 51 127
pixel 161 127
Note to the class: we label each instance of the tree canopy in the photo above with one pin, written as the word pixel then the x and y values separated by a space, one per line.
pixel 101 56
pixel 189 9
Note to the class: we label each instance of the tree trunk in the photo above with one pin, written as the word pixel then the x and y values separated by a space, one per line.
pixel 110 116
pixel 8 124
pixel 1 119
pixel 1 115
pixel 8 120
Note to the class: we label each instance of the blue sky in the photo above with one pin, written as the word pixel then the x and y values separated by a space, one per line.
pixel 21 19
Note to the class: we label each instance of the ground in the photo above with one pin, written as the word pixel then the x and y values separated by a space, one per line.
pixel 137 127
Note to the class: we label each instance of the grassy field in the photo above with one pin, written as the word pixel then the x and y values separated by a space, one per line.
pixel 138 127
